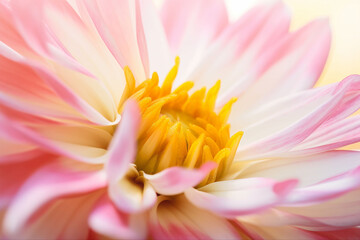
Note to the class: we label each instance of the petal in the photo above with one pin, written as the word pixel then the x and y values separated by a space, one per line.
pixel 106 220
pixel 325 190
pixel 71 55
pixel 22 89
pixel 297 62
pixel 240 197
pixel 132 193
pixel 120 27
pixel 87 49
pixel 190 27
pixel 176 218
pixel 63 219
pixel 9 33
pixel 338 213
pixel 21 134
pixel 193 19
pixel 281 125
pixel 232 57
pixel 46 184
pixel 346 234
pixel 308 170
pixel 45 79
pixel 176 180
pixel 160 58
pixel 122 150
pixel 14 172
pixel 282 233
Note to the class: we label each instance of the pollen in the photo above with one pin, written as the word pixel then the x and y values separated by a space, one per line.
pixel 179 128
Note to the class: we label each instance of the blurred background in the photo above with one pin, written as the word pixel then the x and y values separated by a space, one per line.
pixel 344 15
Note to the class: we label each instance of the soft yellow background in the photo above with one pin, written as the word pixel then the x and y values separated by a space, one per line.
pixel 344 18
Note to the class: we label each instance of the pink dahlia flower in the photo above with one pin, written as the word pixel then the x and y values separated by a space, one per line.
pixel 104 136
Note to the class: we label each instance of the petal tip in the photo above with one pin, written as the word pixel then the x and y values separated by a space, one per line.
pixel 283 188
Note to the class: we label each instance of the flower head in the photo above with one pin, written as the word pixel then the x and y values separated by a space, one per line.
pixel 103 135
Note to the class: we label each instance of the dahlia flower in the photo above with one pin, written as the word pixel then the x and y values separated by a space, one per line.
pixel 114 124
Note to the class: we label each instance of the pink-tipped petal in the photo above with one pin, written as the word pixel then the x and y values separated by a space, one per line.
pixel 317 167
pixel 64 218
pixel 280 126
pixel 326 190
pixel 125 189
pixel 190 27
pixel 22 134
pixel 328 194
pixel 120 27
pixel 122 150
pixel 176 218
pixel 15 169
pixel 106 220
pixel 49 84
pixel 195 19
pixel 296 62
pixel 233 55
pixel 240 197
pixel 160 58
pixel 282 233
pixel 132 193
pixel 176 180
pixel 46 184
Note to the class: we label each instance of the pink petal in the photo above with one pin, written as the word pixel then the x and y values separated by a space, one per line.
pixel 15 169
pixel 236 51
pixel 183 19
pixel 240 197
pixel 336 162
pixel 283 232
pixel 8 31
pixel 176 180
pixel 30 24
pixel 332 175
pixel 325 190
pixel 106 220
pixel 121 35
pixel 130 195
pixel 160 58
pixel 22 89
pixel 21 134
pixel 297 62
pixel 176 218
pixel 46 184
pixel 346 234
pixel 338 213
pixel 64 218
pixel 329 136
pixel 43 75
pixel 281 125
pixel 190 27
pixel 122 150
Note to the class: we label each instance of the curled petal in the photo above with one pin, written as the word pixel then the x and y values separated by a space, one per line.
pixel 106 220
pixel 176 180
pixel 122 150
pixel 240 197
pixel 132 193
pixel 176 218
pixel 49 182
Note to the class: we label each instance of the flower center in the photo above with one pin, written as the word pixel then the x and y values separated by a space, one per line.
pixel 181 129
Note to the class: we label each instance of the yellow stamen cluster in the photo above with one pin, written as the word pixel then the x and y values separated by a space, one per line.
pixel 181 129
